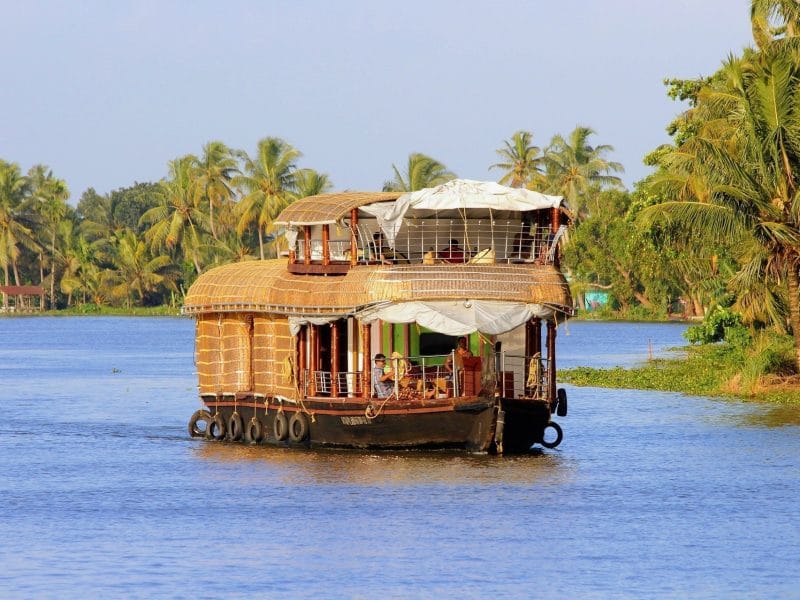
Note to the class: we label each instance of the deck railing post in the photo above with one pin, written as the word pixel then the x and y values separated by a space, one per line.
pixel 334 359
pixel 366 360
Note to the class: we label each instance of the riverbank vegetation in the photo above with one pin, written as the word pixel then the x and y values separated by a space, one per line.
pixel 715 227
pixel 144 245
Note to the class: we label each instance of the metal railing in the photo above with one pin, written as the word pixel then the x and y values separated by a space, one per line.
pixel 446 241
pixel 418 377
pixel 520 375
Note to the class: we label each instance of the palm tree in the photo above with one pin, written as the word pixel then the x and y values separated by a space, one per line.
pixel 311 183
pixel 137 272
pixel 522 161
pixel 13 231
pixel 577 170
pixel 49 203
pixel 422 172
pixel 775 21
pixel 748 147
pixel 178 222
pixel 214 172
pixel 269 183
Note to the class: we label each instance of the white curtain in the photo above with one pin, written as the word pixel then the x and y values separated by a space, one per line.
pixel 459 317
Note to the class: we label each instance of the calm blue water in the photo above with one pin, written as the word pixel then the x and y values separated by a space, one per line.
pixel 102 494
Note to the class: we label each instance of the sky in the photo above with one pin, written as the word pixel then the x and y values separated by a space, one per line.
pixel 106 93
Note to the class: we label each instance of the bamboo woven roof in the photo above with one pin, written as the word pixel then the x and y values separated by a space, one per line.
pixel 267 286
pixel 325 209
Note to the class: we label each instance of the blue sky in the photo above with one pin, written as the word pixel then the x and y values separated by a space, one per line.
pixel 106 93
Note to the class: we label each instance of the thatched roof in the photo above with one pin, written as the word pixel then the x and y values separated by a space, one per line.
pixel 266 286
pixel 327 209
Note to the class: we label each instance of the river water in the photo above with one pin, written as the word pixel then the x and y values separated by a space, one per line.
pixel 102 493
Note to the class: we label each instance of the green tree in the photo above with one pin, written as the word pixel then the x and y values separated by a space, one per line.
pixel 421 172
pixel 577 171
pixel 522 161
pixel 775 22
pixel 747 146
pixel 269 182
pixel 214 172
pixel 14 234
pixel 311 183
pixel 178 223
pixel 136 272
pixel 49 203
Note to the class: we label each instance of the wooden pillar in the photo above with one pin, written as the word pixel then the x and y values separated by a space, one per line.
pixel 334 359
pixel 391 338
pixel 551 360
pixel 326 252
pixel 537 336
pixel 353 238
pixel 406 339
pixel 302 357
pixel 306 244
pixel 313 359
pixel 366 361
pixel 529 339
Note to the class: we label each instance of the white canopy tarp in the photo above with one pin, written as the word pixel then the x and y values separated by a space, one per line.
pixel 463 195
pixel 459 317
pixel 296 323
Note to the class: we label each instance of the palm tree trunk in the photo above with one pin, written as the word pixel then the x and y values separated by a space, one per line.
pixel 52 267
pixel 794 312
pixel 260 243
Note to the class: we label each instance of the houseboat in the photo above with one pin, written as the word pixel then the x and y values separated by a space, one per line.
pixel 425 319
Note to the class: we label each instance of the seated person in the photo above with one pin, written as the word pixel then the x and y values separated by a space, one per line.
pixel 382 252
pixel 382 380
pixel 453 253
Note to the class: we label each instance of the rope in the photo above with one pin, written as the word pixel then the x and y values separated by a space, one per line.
pixel 370 411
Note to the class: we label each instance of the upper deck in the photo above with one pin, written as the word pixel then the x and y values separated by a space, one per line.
pixel 460 222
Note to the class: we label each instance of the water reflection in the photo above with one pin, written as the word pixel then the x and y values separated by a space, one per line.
pixel 780 415
pixel 412 468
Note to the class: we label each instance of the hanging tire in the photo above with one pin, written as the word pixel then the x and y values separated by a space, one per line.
pixel 199 416
pixel 561 394
pixel 280 427
pixel 298 427
pixel 235 427
pixel 253 431
pixel 559 435
pixel 216 428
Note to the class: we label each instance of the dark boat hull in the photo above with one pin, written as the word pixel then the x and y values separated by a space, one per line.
pixel 469 424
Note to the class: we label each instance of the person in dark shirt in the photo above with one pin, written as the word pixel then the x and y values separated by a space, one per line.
pixel 454 253
pixel 382 380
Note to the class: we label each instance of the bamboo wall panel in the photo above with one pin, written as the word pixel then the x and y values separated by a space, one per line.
pixel 207 354
pixel 274 360
pixel 235 370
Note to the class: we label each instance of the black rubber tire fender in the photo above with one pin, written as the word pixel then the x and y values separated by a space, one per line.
pixel 298 427
pixel 561 394
pixel 559 435
pixel 199 415
pixel 216 428
pixel 253 431
pixel 280 427
pixel 235 427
